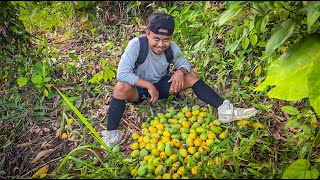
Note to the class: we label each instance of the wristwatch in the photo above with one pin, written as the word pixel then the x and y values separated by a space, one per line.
pixel 183 70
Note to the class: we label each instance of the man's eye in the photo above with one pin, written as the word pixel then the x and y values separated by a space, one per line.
pixel 166 40
pixel 156 39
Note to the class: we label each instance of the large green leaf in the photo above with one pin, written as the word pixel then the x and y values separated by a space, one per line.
pixel 300 169
pixel 314 85
pixel 228 14
pixel 313 13
pixel 296 73
pixel 280 36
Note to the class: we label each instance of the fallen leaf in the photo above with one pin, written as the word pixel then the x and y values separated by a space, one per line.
pixel 42 172
pixel 40 155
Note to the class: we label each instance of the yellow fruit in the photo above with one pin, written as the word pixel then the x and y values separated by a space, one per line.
pixel 173 158
pixel 165 139
pixel 135 146
pixel 217 160
pixel 189 141
pixel 166 133
pixel 155 152
pixel 197 142
pixel 175 166
pixel 160 126
pixel 175 121
pixel 163 155
pixel 185 124
pixel 181 171
pixel 160 131
pixel 176 143
pixel 133 171
pixel 209 142
pixel 216 122
pixel 192 136
pixel 135 136
pixel 146 158
pixel 196 112
pixel 140 139
pixel 176 176
pixel 183 152
pixel 211 135
pixel 70 121
pixel 192 150
pixel 223 135
pixel 188 114
pixel 64 136
pixel 154 140
pixel 194 170
pixel 166 176
pixel 142 145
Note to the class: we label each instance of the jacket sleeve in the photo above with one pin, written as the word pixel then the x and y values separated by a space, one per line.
pixel 127 62
pixel 179 60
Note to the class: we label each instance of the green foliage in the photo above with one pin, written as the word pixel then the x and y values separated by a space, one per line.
pixel 293 69
pixel 300 169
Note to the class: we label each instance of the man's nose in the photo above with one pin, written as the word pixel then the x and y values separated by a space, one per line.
pixel 161 43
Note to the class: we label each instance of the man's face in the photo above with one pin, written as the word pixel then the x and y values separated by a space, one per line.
pixel 158 43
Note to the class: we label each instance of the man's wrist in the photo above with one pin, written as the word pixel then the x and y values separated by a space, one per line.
pixel 183 70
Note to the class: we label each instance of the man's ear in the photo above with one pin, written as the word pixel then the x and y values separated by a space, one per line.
pixel 147 31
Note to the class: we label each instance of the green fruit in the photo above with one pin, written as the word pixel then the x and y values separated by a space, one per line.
pixel 195 107
pixel 195 125
pixel 161 115
pixel 168 149
pixel 142 170
pixel 172 112
pixel 163 120
pixel 216 129
pixel 175 136
pixel 185 109
pixel 184 136
pixel 203 136
pixel 180 115
pixel 216 122
pixel 151 167
pixel 176 126
pixel 168 115
pixel 135 153
pixel 144 152
pixel 201 130
pixel 159 170
pixel 161 147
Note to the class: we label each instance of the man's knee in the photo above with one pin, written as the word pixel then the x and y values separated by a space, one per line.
pixel 122 90
pixel 191 78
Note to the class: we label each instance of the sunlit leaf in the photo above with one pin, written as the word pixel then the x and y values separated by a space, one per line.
pixel 290 110
pixel 245 43
pixel 228 14
pixel 300 169
pixel 22 81
pixel 253 39
pixel 280 36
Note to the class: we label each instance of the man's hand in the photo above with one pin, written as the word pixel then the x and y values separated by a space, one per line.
pixel 154 93
pixel 177 80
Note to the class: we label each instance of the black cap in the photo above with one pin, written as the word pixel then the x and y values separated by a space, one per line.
pixel 160 20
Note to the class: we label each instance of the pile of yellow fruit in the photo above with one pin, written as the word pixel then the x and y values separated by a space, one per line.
pixel 175 143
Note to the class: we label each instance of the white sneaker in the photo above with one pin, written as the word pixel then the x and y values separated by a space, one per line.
pixel 227 113
pixel 111 138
